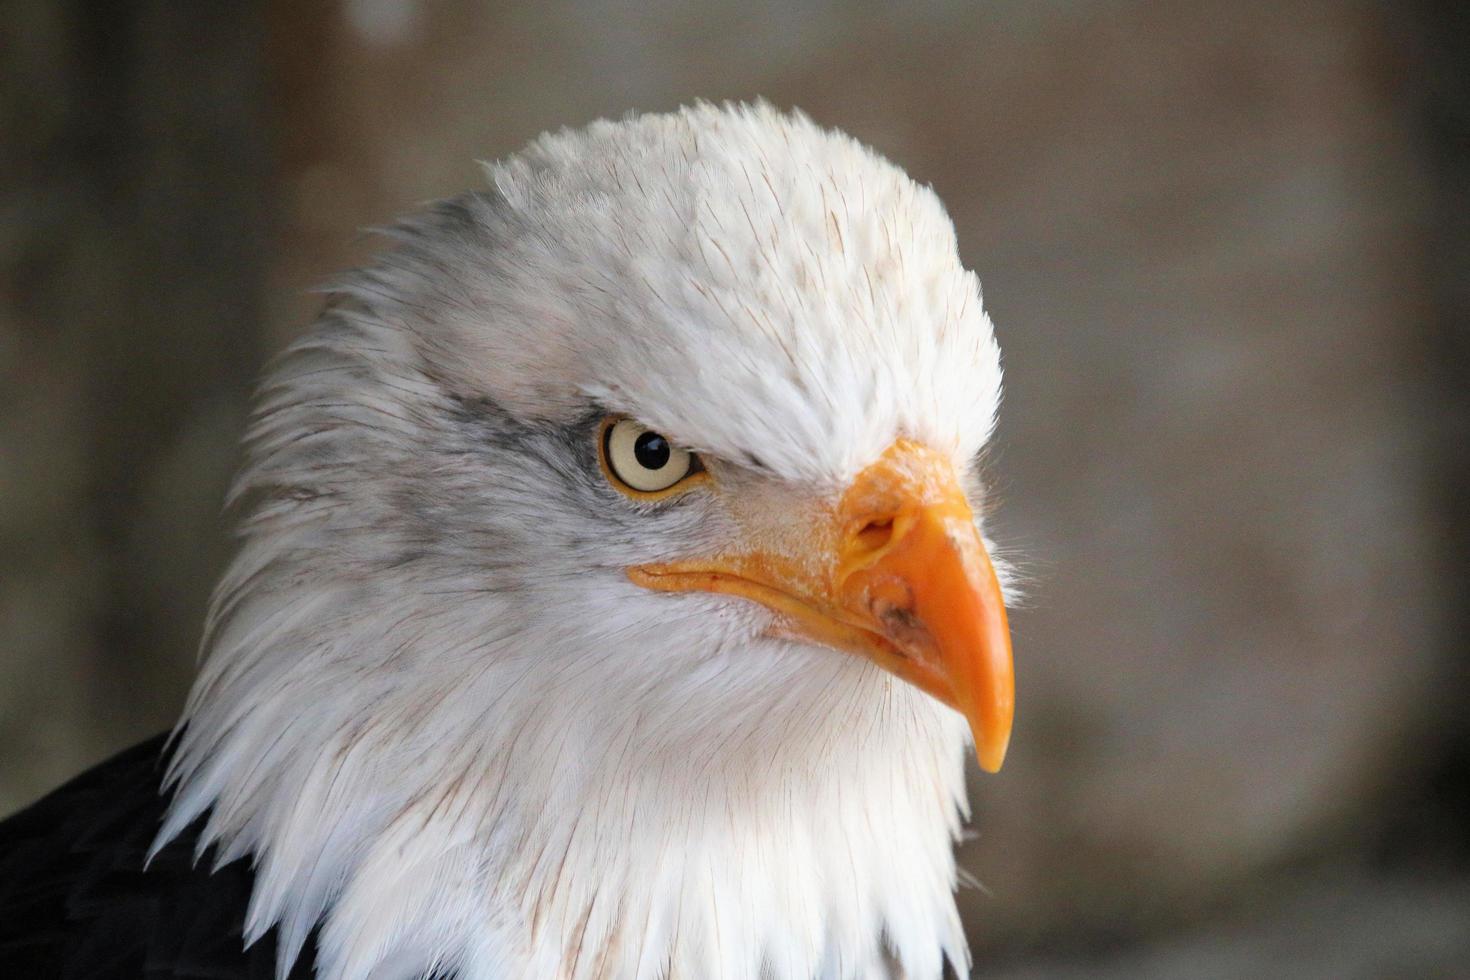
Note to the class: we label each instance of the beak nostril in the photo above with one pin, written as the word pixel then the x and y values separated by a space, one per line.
pixel 875 534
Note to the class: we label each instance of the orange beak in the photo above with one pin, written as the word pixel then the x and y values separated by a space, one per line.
pixel 898 574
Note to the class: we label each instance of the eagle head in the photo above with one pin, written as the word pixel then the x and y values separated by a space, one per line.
pixel 611 600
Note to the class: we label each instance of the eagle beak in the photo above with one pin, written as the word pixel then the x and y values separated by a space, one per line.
pixel 897 573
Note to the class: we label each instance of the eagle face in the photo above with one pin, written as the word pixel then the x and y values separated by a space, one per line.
pixel 609 572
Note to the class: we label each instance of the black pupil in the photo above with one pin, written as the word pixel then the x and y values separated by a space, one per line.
pixel 652 451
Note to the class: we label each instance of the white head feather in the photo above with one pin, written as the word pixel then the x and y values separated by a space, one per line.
pixel 434 709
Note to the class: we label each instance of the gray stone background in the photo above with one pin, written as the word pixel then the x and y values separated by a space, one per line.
pixel 1225 244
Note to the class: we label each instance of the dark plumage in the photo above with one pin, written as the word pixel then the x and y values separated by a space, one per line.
pixel 75 903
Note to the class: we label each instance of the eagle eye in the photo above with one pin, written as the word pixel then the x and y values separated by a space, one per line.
pixel 643 463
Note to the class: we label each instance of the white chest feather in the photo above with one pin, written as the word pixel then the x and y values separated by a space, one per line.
pixel 799 828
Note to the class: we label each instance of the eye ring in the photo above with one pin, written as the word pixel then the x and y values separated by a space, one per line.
pixel 643 463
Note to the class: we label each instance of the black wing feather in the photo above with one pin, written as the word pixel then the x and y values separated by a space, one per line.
pixel 77 904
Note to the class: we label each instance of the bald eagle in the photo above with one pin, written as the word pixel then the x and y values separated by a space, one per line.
pixel 610 601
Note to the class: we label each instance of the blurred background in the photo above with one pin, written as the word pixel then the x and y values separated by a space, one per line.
pixel 1225 245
